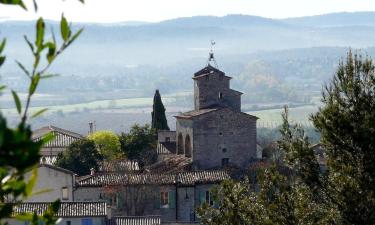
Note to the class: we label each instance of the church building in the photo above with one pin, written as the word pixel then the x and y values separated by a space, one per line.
pixel 216 133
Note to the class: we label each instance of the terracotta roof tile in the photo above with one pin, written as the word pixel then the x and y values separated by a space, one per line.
pixel 67 209
pixel 137 220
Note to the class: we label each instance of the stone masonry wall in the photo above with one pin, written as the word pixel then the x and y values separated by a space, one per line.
pixel 224 134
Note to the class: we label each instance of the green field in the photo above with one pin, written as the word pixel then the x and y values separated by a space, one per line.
pixel 126 103
pixel 272 117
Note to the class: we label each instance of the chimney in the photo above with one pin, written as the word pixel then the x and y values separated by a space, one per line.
pixel 92 171
pixel 91 126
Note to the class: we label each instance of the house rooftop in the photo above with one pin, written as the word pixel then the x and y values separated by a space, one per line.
pixel 137 220
pixel 67 209
pixel 181 178
pixel 38 133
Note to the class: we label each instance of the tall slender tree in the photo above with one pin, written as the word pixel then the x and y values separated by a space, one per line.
pixel 159 120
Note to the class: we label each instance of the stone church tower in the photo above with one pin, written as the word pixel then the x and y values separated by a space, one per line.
pixel 216 133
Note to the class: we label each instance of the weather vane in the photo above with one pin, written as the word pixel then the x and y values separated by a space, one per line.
pixel 211 57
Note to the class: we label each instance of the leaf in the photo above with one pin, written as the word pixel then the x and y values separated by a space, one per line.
pixel 29 43
pixel 23 68
pixel 39 112
pixel 75 36
pixel 39 33
pixel 51 52
pixel 2 45
pixel 47 138
pixel 46 76
pixel 34 83
pixel 2 87
pixel 17 101
pixel 14 2
pixel 2 60
pixel 64 28
pixel 35 5
pixel 31 183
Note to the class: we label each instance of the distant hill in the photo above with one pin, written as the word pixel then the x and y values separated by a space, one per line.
pixel 146 56
pixel 335 19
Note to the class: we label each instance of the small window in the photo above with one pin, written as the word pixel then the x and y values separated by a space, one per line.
pixel 207 78
pixel 68 222
pixel 65 193
pixel 164 199
pixel 220 95
pixel 224 150
pixel 209 199
pixel 224 161
pixel 221 77
pixel 221 133
pixel 167 139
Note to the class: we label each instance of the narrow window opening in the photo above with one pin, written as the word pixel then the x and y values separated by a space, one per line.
pixel 220 95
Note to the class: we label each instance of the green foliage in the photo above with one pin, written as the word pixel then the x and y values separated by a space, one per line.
pixel 107 143
pixel 347 124
pixel 139 144
pixel 159 120
pixel 18 152
pixel 80 157
pixel 299 192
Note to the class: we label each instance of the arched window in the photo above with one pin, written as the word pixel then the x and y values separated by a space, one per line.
pixel 187 146
pixel 180 144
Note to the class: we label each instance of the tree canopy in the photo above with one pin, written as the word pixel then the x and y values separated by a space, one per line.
pixel 107 143
pixel 80 157
pixel 139 144
pixel 159 120
pixel 299 191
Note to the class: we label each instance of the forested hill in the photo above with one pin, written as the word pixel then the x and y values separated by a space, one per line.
pixel 262 54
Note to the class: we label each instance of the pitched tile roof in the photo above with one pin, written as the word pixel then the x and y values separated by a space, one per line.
pixel 67 209
pixel 182 178
pixel 207 70
pixel 136 220
pixel 171 163
pixel 120 165
pixel 126 179
pixel 63 138
pixel 194 113
pixel 56 168
pixel 202 177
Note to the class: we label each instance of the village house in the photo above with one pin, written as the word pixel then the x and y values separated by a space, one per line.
pixel 52 183
pixel 71 213
pixel 63 138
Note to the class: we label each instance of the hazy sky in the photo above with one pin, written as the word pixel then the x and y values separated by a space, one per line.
pixel 156 10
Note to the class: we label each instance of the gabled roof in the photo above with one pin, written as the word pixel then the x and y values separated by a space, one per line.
pixel 194 113
pixel 56 168
pixel 126 179
pixel 208 70
pixel 200 112
pixel 182 178
pixel 63 138
pixel 38 133
pixel 67 209
pixel 202 177
pixel 136 220
pixel 119 165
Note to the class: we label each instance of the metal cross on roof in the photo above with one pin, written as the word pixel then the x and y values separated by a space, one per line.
pixel 211 57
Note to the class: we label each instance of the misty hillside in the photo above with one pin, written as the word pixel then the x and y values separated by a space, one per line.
pixel 274 60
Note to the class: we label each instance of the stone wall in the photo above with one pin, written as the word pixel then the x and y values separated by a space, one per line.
pixel 224 134
pixel 163 135
pixel 184 128
pixel 54 181
pixel 207 89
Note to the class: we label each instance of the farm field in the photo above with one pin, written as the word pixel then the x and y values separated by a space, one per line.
pixel 271 118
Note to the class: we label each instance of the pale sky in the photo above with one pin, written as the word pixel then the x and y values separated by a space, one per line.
pixel 107 11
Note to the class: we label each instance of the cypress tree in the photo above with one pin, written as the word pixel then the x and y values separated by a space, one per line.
pixel 159 120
